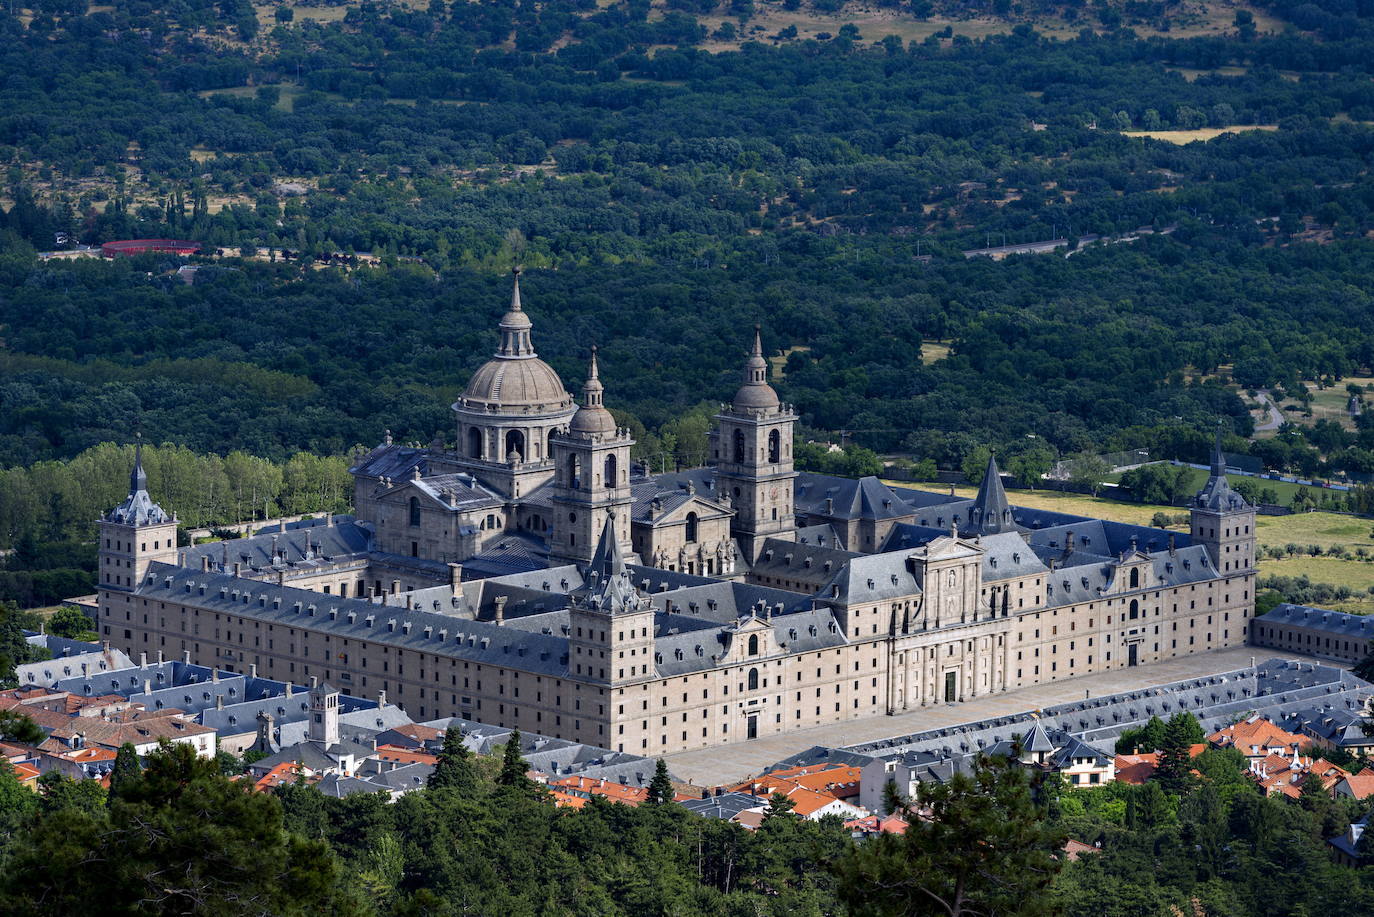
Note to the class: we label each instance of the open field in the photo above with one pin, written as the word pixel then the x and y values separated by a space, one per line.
pixel 1283 489
pixel 1325 529
pixel 778 362
pixel 933 351
pixel 1204 134
pixel 1330 403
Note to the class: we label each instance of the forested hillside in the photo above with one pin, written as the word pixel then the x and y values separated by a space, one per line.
pixel 667 191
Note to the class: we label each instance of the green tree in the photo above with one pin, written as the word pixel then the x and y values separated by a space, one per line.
pixel 126 769
pixel 661 787
pixel 72 623
pixel 1174 772
pixel 456 768
pixel 17 727
pixel 977 844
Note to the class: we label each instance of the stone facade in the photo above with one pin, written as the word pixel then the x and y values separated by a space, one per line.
pixel 513 590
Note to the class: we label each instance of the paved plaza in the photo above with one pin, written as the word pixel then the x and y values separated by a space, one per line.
pixel 732 763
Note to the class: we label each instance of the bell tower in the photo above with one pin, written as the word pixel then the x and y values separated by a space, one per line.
pixel 752 448
pixel 591 478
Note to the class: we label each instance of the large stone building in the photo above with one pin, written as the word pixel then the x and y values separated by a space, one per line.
pixel 530 576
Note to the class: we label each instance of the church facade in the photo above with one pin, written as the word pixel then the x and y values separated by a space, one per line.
pixel 529 575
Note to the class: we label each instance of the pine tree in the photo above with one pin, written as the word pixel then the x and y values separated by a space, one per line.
pixel 979 845
pixel 778 805
pixel 126 769
pixel 661 787
pixel 456 769
pixel 513 766
pixel 1174 771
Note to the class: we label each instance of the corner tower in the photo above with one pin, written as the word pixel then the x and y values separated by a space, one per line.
pixel 134 534
pixel 752 447
pixel 591 478
pixel 1222 522
pixel 510 408
pixel 610 623
pixel 131 536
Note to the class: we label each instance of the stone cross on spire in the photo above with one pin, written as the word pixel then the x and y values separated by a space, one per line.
pixel 138 479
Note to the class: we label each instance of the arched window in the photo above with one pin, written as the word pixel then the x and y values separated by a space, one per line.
pixel 610 479
pixel 574 471
pixel 515 445
pixel 1135 578
pixel 753 679
pixel 753 644
pixel 739 445
pixel 1135 609
pixel 474 442
pixel 414 510
pixel 691 528
pixel 774 447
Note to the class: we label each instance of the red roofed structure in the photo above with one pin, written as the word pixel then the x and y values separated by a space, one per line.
pixel 130 247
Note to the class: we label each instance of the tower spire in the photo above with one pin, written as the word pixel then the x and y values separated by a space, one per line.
pixel 138 479
pixel 1218 457
pixel 607 561
pixel 515 326
pixel 592 388
pixel 991 512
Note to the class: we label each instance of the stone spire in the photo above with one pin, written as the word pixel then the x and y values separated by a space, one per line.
pixel 607 561
pixel 138 508
pixel 756 394
pixel 515 326
pixel 1216 494
pixel 138 479
pixel 592 418
pixel 991 513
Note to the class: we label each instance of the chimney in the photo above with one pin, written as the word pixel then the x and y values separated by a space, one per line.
pixel 329 520
pixel 214 674
pixel 829 506
pixel 186 656
pixel 252 670
pixel 159 657
pixel 281 577
pixel 314 682
pixel 455 576
pixel 381 698
pixel 219 701
pixel 289 687
pixel 500 615
pixel 238 568
pixel 1173 548
pixel 281 524
pixel 147 686
pixel 395 586
pixel 143 660
pixel 1068 543
pixel 205 563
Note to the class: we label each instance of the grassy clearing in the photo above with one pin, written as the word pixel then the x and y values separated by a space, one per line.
pixel 933 352
pixel 1203 134
pixel 778 363
pixel 1330 403
pixel 1354 574
pixel 1325 529
pixel 1283 489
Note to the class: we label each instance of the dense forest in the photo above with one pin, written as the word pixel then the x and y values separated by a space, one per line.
pixel 665 197
pixel 175 835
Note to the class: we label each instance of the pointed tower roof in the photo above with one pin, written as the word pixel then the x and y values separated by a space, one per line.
pixel 1216 495
pixel 138 508
pixel 991 513
pixel 756 394
pixel 607 560
pixel 592 418
pixel 609 588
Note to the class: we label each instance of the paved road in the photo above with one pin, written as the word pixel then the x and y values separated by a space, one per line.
pixel 1275 415
pixel 733 763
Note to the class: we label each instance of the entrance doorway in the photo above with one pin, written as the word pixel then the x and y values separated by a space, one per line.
pixel 1131 653
pixel 751 728
pixel 951 691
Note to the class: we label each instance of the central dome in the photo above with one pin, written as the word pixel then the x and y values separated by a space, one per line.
pixel 505 385
pixel 515 380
